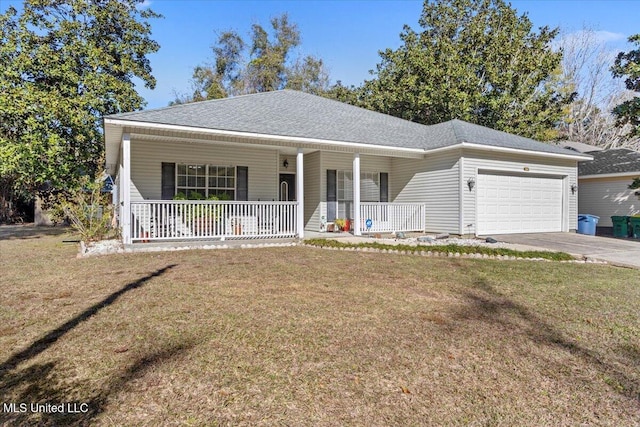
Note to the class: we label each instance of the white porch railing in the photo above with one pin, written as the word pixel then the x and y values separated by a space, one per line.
pixel 390 217
pixel 166 220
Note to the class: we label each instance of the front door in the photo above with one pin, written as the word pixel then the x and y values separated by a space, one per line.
pixel 287 187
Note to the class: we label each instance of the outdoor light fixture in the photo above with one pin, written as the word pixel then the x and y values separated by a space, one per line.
pixel 574 188
pixel 285 163
pixel 471 182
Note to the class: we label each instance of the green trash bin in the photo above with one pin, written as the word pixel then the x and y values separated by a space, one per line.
pixel 620 226
pixel 634 222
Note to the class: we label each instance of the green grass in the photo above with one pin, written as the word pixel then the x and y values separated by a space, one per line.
pixel 303 336
pixel 447 249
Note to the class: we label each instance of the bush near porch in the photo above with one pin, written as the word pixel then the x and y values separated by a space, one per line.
pixel 302 336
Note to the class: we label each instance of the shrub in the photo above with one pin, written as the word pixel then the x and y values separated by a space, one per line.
pixel 89 211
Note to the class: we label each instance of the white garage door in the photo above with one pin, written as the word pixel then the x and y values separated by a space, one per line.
pixel 518 204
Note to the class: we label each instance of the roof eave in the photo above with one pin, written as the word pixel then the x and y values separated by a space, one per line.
pixel 611 175
pixel 260 136
pixel 493 148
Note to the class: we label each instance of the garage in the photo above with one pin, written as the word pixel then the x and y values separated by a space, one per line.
pixel 514 203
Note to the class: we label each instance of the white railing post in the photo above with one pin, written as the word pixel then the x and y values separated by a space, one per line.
pixel 126 188
pixel 299 214
pixel 356 194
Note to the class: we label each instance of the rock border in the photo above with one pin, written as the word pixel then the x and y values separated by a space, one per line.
pixel 438 254
pixel 109 247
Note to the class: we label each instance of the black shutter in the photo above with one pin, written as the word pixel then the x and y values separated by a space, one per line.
pixel 384 187
pixel 168 181
pixel 332 197
pixel 242 188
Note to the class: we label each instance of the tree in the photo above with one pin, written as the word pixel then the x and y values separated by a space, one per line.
pixel 262 65
pixel 63 65
pixel 628 64
pixel 585 71
pixel 474 60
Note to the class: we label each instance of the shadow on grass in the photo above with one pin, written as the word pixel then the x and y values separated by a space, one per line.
pixel 39 383
pixel 489 305
pixel 31 231
pixel 45 342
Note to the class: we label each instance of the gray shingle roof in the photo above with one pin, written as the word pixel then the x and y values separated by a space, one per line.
pixel 297 114
pixel 580 147
pixel 458 131
pixel 617 160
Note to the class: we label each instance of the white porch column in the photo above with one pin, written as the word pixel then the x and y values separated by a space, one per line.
pixel 356 194
pixel 300 193
pixel 125 188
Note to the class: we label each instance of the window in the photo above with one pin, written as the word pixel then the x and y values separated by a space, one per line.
pixel 206 181
pixel 370 191
pixel 370 187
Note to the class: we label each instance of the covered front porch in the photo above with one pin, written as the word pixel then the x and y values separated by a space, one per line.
pixel 252 187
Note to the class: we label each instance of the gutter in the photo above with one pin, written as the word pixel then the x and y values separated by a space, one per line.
pixel 611 175
pixel 262 136
pixel 491 148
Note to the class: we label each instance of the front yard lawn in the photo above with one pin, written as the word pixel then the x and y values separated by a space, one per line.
pixel 307 336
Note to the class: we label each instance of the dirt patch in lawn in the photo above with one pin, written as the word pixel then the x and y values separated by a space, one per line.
pixel 305 336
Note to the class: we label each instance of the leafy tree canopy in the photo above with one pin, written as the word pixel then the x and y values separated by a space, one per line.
pixel 474 60
pixel 260 65
pixel 63 65
pixel 627 65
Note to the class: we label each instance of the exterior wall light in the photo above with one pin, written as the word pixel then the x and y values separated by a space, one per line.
pixel 285 163
pixel 471 182
pixel 574 188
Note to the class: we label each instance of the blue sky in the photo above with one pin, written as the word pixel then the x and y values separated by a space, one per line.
pixel 347 35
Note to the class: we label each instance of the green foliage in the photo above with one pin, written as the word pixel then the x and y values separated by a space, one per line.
pixel 201 210
pixel 628 65
pixel 194 195
pixel 88 210
pixel 447 249
pixel 261 65
pixel 474 60
pixel 63 65
pixel 635 184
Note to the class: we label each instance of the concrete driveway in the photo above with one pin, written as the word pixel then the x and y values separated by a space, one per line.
pixel 614 251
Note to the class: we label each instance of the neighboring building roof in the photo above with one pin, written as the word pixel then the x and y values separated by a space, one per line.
pixel 580 147
pixel 291 113
pixel 614 161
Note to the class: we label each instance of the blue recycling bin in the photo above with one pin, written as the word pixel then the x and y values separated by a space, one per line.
pixel 587 224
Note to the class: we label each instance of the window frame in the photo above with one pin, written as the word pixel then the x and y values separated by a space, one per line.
pixel 207 190
pixel 344 206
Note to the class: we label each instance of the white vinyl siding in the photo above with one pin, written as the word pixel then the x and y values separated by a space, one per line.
pixel 291 163
pixel 607 197
pixel 432 181
pixel 475 160
pixel 147 158
pixel 312 190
